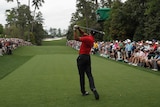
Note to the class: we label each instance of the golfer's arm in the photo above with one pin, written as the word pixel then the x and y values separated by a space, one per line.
pixel 76 37
pixel 81 32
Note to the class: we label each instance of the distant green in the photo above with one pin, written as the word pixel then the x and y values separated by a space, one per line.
pixel 47 76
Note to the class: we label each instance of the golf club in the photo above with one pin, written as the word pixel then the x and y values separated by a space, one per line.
pixel 101 32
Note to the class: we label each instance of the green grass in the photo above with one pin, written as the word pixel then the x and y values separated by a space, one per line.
pixel 10 63
pixel 47 76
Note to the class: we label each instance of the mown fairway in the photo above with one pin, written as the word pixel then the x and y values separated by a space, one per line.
pixel 46 76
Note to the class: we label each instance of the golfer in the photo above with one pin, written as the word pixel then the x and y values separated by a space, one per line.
pixel 84 61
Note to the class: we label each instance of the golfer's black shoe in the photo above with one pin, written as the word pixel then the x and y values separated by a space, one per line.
pixel 96 94
pixel 85 94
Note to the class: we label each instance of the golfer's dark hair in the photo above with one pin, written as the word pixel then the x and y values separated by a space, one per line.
pixel 93 33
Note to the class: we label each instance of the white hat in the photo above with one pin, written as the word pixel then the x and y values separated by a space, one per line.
pixel 150 42
pixel 156 43
pixel 147 41
pixel 128 40
pixel 145 49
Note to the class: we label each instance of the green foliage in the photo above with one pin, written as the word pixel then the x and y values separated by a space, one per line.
pixel 1 29
pixel 37 3
pixel 29 37
pixel 152 26
pixel 84 16
pixel 54 32
pixel 13 31
pixel 24 18
pixel 69 34
pixel 38 33
pixel 133 19
pixel 11 16
pixel 20 23
pixel 116 29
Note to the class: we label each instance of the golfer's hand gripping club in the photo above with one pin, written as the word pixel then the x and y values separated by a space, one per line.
pixel 75 27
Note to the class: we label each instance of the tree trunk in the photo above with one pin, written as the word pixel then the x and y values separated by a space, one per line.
pixel 97 4
pixel 29 4
pixel 18 3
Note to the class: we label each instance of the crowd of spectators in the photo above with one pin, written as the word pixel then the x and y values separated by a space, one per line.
pixel 7 45
pixel 141 53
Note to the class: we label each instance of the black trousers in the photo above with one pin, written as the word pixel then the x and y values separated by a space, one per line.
pixel 84 66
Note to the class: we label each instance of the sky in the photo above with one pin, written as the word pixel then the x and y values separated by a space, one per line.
pixel 56 13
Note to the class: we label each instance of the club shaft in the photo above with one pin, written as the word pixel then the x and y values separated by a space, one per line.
pixel 92 29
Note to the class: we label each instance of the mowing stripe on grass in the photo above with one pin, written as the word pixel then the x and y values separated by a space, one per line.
pixel 8 64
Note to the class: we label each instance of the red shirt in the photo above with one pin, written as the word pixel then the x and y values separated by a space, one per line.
pixel 154 46
pixel 87 44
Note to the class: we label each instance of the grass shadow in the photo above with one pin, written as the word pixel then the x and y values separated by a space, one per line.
pixel 11 62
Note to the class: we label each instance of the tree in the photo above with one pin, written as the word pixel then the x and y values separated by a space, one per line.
pixel 38 31
pixel 106 3
pixel 37 4
pixel 20 22
pixel 39 18
pixel 53 32
pixel 84 16
pixel 127 20
pixel 20 18
pixel 59 33
pixel 114 25
pixel 11 16
pixel 13 31
pixel 85 13
pixel 1 30
pixel 24 17
pixel 152 26
pixel 69 33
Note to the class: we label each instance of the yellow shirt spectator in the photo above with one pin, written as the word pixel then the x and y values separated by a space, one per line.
pixel 95 46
